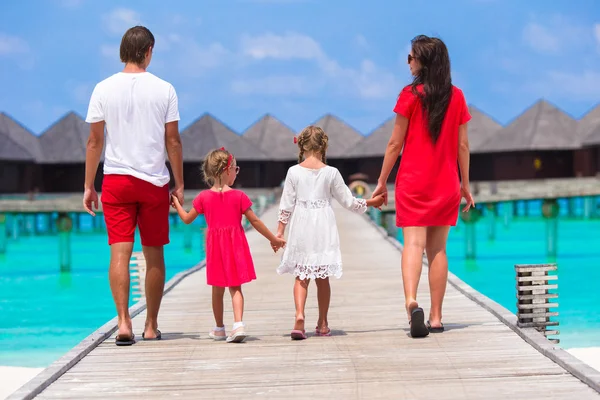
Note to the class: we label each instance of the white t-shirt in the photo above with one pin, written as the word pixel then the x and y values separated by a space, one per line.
pixel 135 108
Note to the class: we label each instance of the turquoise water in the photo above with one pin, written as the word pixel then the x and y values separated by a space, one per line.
pixel 523 241
pixel 44 313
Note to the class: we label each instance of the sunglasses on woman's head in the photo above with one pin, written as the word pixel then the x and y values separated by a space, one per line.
pixel 410 58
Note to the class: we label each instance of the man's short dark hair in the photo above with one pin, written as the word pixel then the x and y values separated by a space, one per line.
pixel 135 44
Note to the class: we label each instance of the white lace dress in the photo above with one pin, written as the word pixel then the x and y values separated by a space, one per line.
pixel 313 243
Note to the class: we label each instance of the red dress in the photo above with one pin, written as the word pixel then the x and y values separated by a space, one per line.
pixel 228 259
pixel 427 184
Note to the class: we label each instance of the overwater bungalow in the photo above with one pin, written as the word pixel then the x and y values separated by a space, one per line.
pixel 208 133
pixel 589 132
pixel 276 141
pixel 62 161
pixel 541 143
pixel 19 151
pixel 343 140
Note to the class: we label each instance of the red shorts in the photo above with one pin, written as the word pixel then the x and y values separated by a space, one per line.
pixel 127 202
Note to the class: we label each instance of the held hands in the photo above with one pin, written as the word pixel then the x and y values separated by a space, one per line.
pixel 465 192
pixel 175 201
pixel 378 201
pixel 177 193
pixel 279 243
pixel 381 190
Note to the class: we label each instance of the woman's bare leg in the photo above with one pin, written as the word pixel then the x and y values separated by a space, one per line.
pixel 437 237
pixel 412 264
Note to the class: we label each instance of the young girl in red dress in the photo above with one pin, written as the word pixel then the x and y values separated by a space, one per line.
pixel 228 260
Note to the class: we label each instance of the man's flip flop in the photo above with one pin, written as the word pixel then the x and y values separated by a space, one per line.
pixel 418 329
pixel 158 336
pixel 437 329
pixel 297 334
pixel 122 340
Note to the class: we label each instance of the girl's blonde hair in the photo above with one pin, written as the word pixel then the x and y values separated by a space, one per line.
pixel 312 139
pixel 215 163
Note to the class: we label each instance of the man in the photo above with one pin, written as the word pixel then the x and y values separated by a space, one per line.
pixel 140 114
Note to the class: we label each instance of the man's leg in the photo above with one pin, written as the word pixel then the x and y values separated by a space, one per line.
pixel 155 284
pixel 153 221
pixel 120 214
pixel 118 274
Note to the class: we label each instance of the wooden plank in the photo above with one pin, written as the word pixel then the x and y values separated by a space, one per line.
pixel 537 278
pixel 537 305
pixel 536 287
pixel 537 296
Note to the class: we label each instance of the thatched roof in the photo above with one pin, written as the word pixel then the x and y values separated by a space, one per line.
pixel 481 129
pixel 208 133
pixel 65 141
pixel 375 143
pixel 541 127
pixel 588 127
pixel 342 137
pixel 274 138
pixel 17 143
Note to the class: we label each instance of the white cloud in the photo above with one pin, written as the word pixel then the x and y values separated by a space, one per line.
pixel 274 86
pixel 367 81
pixel 286 47
pixel 597 33
pixel 556 33
pixel 121 19
pixel 577 86
pixel 541 38
pixel 12 45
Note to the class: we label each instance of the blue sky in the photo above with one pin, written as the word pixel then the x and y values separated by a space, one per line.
pixel 300 59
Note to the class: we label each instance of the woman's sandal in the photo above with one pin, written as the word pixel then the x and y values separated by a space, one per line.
pixel 436 329
pixel 418 329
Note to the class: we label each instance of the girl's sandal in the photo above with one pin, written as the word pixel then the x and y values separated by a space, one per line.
pixel 318 332
pixel 297 334
pixel 213 335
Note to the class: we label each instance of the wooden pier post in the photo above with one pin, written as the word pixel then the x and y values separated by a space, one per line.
pixel 3 234
pixel 572 206
pixel 203 227
pixel 375 215
pixel 470 218
pixel 533 298
pixel 187 237
pixel 491 217
pixel 64 224
pixel 508 213
pixel 550 211
pixel 588 207
pixel 137 273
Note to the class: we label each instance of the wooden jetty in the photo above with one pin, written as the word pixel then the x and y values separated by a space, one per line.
pixel 369 356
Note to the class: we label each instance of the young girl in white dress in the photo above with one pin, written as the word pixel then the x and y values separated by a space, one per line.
pixel 313 245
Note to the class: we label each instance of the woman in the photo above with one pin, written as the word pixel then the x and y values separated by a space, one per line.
pixel 431 125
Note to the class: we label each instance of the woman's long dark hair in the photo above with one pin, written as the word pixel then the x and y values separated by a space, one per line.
pixel 436 80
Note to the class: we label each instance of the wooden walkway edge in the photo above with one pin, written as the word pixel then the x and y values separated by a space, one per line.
pixel 481 355
pixel 538 341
